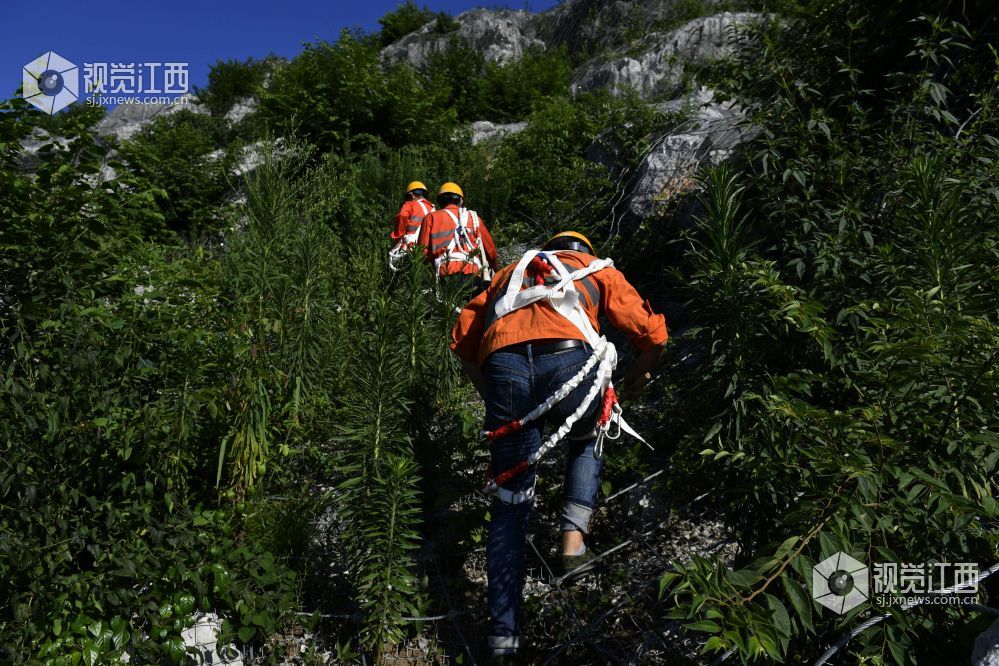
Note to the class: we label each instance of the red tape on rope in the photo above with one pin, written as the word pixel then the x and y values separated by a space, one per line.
pixel 516 470
pixel 610 397
pixel 504 430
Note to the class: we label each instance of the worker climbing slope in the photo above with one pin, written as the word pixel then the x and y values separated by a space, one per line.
pixel 531 345
pixel 457 240
pixel 409 220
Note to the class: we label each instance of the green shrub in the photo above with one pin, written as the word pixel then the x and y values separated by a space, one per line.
pixel 338 96
pixel 444 23
pixel 508 92
pixel 407 17
pixel 843 392
pixel 110 542
pixel 181 158
pixel 231 81
pixel 552 185
pixel 457 71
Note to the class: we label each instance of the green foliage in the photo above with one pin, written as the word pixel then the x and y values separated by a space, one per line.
pixel 553 185
pixel 844 296
pixel 230 81
pixel 328 90
pixel 286 288
pixel 175 157
pixel 399 372
pixel 508 92
pixel 444 23
pixel 109 536
pixel 480 90
pixel 404 19
pixel 168 399
pixel 457 71
pixel 339 96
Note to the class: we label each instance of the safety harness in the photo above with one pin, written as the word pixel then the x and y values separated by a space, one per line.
pixel 412 234
pixel 463 246
pixel 563 297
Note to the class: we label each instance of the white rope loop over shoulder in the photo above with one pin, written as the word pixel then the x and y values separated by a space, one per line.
pixel 462 246
pixel 566 300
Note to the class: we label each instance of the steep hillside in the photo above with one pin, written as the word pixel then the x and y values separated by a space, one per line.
pixel 225 421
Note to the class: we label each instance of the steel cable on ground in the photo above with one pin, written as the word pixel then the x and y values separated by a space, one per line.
pixel 554 582
pixel 557 583
pixel 867 624
pixel 626 601
pixel 454 620
pixel 630 540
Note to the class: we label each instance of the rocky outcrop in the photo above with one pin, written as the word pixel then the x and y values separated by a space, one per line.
pixel 710 135
pixel 986 651
pixel 500 35
pixel 241 109
pixel 32 144
pixel 661 67
pixel 125 120
pixel 483 130
pixel 579 25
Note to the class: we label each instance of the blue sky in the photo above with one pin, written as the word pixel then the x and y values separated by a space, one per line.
pixel 199 32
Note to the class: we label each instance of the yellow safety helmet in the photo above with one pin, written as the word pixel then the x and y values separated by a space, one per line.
pixel 415 185
pixel 570 240
pixel 451 188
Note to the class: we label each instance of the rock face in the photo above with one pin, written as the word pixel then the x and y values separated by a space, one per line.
pixel 986 651
pixel 125 120
pixel 241 109
pixel 31 144
pixel 579 25
pixel 662 66
pixel 203 639
pixel 500 35
pixel 483 130
pixel 711 136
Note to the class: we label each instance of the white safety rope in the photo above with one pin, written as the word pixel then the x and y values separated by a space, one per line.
pixel 567 301
pixel 461 247
pixel 408 239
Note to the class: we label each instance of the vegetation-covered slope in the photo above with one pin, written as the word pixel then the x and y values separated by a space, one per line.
pixel 199 368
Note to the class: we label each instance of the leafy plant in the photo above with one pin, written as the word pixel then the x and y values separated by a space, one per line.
pixel 444 23
pixel 407 17
pixel 844 382
pixel 231 81
pixel 175 157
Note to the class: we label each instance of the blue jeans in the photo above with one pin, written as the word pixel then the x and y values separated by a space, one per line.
pixel 516 384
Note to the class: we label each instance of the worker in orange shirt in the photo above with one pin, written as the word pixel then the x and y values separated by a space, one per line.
pixel 408 221
pixel 457 240
pixel 531 345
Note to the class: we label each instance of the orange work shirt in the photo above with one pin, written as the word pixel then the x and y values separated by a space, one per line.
pixel 436 233
pixel 478 332
pixel 410 218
